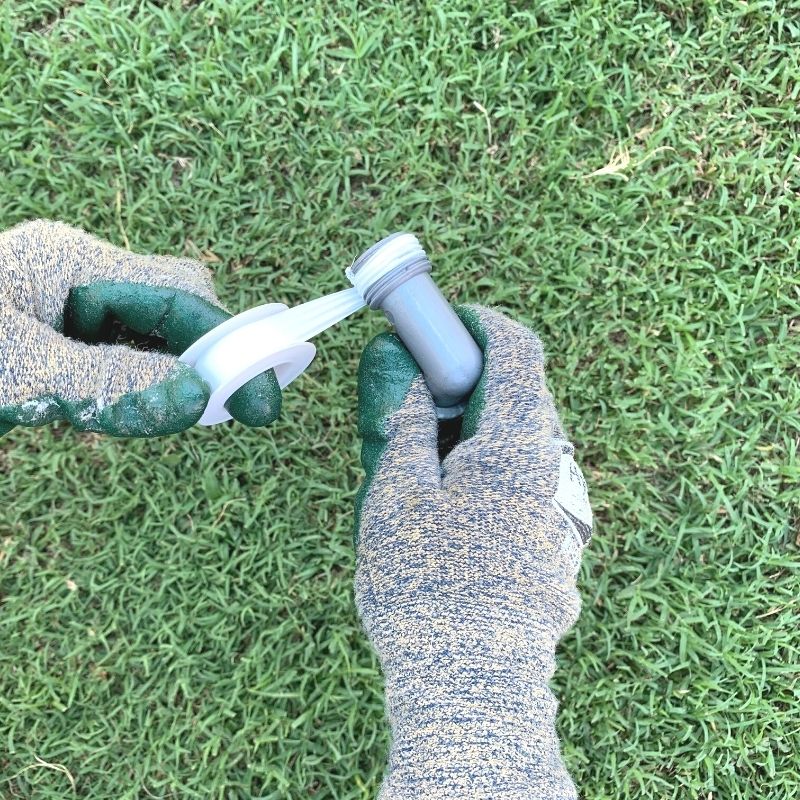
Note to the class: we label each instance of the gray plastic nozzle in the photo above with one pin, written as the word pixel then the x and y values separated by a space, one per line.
pixel 394 275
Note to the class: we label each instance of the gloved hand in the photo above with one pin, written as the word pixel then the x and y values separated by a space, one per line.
pixel 465 577
pixel 59 285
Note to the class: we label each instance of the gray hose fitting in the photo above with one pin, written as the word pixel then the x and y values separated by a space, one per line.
pixel 394 275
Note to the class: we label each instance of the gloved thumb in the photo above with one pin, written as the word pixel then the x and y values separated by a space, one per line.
pixel 396 420
pixel 112 389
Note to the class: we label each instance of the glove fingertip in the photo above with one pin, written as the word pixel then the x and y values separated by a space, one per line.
pixel 258 402
pixel 471 315
pixel 171 406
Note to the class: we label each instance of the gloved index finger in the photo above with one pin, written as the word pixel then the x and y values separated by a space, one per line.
pixel 397 424
pixel 177 316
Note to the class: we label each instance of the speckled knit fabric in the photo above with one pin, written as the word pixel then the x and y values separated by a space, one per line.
pixel 40 262
pixel 64 294
pixel 466 579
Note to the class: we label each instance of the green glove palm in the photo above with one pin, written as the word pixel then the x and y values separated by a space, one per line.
pixel 61 291
pixel 465 577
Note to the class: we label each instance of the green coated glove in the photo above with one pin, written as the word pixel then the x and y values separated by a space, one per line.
pixel 466 567
pixel 61 293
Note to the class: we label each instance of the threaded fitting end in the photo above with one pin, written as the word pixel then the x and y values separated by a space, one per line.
pixel 387 264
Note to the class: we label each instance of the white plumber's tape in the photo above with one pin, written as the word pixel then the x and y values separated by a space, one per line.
pixel 271 336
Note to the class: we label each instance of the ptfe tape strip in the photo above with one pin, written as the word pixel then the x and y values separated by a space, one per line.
pixel 234 323
pixel 271 336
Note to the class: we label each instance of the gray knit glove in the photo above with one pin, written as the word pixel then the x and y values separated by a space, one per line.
pixel 466 568
pixel 61 293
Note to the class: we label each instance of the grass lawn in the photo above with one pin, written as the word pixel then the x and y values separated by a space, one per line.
pixel 176 617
